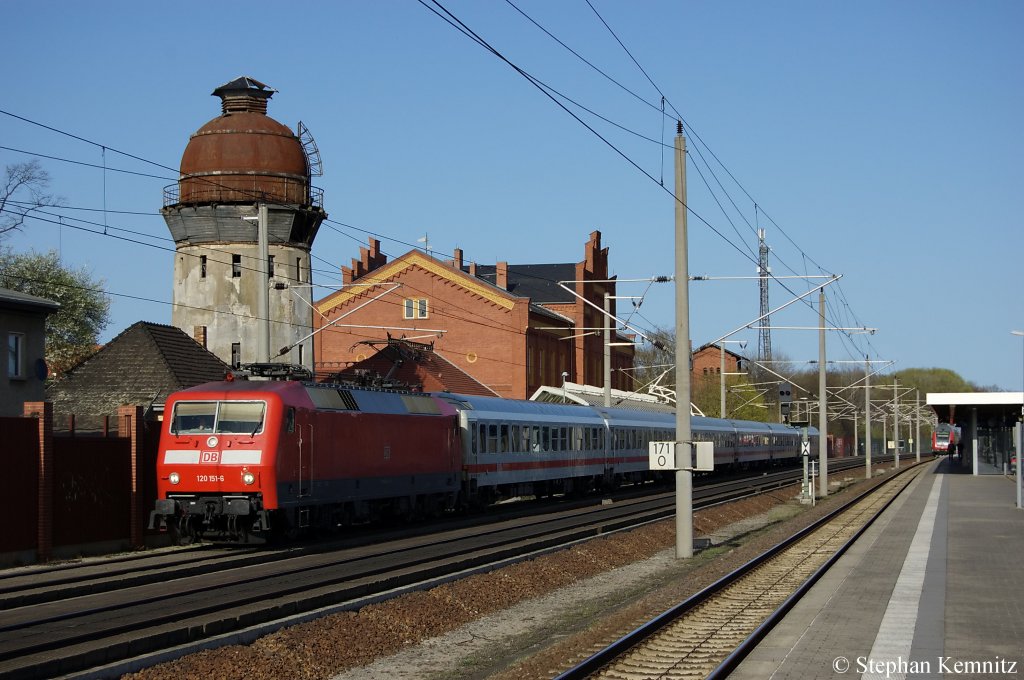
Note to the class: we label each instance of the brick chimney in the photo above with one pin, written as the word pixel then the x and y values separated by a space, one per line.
pixel 369 259
pixel 501 275
pixel 457 262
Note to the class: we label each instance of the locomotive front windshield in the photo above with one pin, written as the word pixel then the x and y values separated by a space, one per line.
pixel 218 417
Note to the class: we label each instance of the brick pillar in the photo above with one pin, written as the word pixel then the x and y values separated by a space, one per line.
pixel 129 424
pixel 43 411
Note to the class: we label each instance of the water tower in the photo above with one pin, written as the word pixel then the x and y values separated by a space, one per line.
pixel 243 216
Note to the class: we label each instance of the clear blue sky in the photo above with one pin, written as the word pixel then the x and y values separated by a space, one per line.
pixel 880 140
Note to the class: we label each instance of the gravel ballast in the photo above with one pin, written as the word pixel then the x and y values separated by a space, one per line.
pixel 528 620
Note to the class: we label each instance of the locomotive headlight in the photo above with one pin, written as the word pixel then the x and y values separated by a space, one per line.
pixel 248 477
pixel 173 478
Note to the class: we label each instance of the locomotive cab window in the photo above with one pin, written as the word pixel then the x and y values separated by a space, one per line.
pixel 227 417
pixel 194 417
pixel 237 417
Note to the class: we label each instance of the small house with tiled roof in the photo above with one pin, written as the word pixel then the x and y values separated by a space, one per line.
pixel 142 365
pixel 512 328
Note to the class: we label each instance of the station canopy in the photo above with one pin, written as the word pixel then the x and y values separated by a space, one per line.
pixel 994 409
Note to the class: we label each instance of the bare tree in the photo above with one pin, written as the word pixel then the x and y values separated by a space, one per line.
pixel 23 190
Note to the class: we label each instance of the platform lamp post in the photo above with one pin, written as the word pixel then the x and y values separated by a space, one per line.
pixel 1020 431
pixel 721 372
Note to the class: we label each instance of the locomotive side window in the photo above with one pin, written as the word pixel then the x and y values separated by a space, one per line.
pixel 193 417
pixel 289 423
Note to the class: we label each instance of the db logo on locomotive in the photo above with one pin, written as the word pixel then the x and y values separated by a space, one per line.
pixel 209 457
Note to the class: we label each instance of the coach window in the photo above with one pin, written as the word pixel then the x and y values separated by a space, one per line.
pixel 505 448
pixel 492 438
pixel 545 438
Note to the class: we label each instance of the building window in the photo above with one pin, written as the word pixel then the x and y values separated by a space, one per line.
pixel 298 269
pixel 301 357
pixel 270 266
pixel 202 266
pixel 415 308
pixel 236 266
pixel 236 354
pixel 15 355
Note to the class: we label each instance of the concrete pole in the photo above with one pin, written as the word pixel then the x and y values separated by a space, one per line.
pixel 1018 432
pixel 684 478
pixel 974 440
pixel 896 419
pixel 263 285
pixel 917 431
pixel 721 376
pixel 867 417
pixel 856 447
pixel 822 401
pixel 607 352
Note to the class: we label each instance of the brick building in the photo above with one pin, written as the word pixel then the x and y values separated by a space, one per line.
pixel 511 327
pixel 707 365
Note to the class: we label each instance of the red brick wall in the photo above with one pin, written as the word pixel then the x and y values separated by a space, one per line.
pixel 483 338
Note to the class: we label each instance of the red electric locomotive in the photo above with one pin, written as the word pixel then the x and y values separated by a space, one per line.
pixel 241 456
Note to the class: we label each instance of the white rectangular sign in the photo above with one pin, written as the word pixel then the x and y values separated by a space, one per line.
pixel 662 455
pixel 671 456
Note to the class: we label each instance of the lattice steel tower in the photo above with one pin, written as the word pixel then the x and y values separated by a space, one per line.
pixel 764 338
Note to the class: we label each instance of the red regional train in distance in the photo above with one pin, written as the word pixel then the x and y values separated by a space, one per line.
pixel 945 438
pixel 269 457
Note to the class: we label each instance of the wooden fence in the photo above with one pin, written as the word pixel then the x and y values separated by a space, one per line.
pixel 67 493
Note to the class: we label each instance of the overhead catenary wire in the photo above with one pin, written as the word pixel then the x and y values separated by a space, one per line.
pixel 399 241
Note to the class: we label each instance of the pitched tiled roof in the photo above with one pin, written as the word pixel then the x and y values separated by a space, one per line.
pixel 142 365
pixel 14 299
pixel 414 366
pixel 539 282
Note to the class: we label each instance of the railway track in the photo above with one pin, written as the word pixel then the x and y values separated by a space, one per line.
pixel 69 619
pixel 709 633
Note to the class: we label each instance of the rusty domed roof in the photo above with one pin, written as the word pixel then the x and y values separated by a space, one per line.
pixel 244 155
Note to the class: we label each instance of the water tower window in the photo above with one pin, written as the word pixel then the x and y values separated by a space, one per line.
pixel 298 269
pixel 236 266
pixel 236 354
pixel 202 266
pixel 270 266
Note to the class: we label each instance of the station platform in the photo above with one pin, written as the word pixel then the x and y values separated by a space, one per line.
pixel 933 589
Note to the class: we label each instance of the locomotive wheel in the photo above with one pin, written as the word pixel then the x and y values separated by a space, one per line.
pixel 181 531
